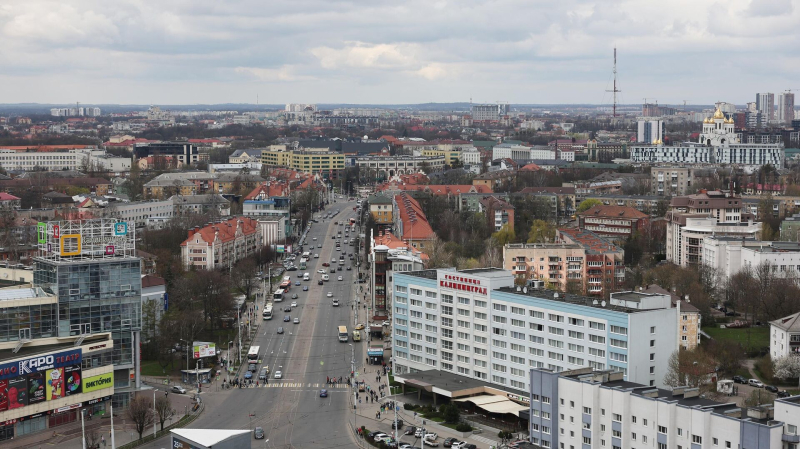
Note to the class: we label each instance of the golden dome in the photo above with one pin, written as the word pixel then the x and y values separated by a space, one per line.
pixel 718 114
pixel 657 142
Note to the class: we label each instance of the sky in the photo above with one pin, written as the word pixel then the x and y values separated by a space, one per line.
pixel 395 51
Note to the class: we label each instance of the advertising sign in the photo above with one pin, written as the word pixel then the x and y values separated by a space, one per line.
pixel 36 391
pixel 55 383
pixel 279 249
pixel 3 395
pixel 39 363
pixel 72 380
pixel 98 382
pixel 181 444
pixel 203 349
pixel 17 393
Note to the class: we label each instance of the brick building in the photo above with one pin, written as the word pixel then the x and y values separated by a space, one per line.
pixel 616 222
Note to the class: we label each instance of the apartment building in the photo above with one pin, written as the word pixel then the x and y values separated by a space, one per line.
pixel 140 213
pixel 221 244
pixel 615 222
pixel 643 203
pixel 729 255
pixel 307 160
pixel 689 321
pixel 213 203
pixel 562 199
pixel 380 207
pixel 498 213
pixel 670 181
pixel 589 408
pixel 784 336
pixel 518 152
pixel 184 153
pixel 476 324
pixel 388 255
pixel 410 223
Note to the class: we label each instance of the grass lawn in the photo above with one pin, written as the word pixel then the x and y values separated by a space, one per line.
pixel 759 336
pixel 152 368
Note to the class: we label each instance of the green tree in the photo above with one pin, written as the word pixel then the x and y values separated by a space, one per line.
pixel 450 413
pixel 541 232
pixel 588 204
pixel 505 235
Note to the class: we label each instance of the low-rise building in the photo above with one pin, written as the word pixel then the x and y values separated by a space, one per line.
pixel 784 336
pixel 9 202
pixel 221 244
pixel 498 213
pixel 201 204
pixel 616 222
pixel 410 223
pixel 245 156
pixel 139 212
pixel 380 207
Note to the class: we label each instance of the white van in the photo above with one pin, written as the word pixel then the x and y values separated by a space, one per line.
pixel 306 276
pixel 325 277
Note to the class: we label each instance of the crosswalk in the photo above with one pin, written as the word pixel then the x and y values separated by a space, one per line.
pixel 484 440
pixel 299 385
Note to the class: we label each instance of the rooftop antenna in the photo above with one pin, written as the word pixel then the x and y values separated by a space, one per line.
pixel 615 90
pixel 684 105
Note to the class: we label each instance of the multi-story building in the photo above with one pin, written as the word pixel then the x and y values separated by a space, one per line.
pixel 245 156
pixel 74 159
pixel 790 229
pixel 410 223
pixel 380 207
pixel 671 181
pixel 471 156
pixel 475 323
pixel 518 152
pixel 577 262
pixel 140 213
pixel 717 144
pixel 562 199
pixel 9 202
pixel 729 255
pixel 693 217
pixel 213 203
pixel 765 104
pixel 308 160
pixel 385 167
pixel 786 108
pixel 221 244
pixel 784 336
pixel 605 151
pixel 451 156
pixel 388 255
pixel 159 189
pixel 184 153
pixel 649 131
pixel 590 408
pixel 489 112
pixel 498 213
pixel 615 222
pixel 689 322
pixel 92 269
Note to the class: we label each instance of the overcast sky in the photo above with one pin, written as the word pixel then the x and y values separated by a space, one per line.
pixel 395 51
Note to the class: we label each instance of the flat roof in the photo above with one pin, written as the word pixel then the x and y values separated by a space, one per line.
pixel 208 437
pixel 450 382
pixel 596 302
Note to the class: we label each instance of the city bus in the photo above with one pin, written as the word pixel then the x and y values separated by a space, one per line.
pixel 343 334
pixel 278 295
pixel 303 263
pixel 253 353
pixel 268 312
pixel 286 284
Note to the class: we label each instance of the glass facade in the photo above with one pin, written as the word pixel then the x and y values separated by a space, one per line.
pixel 96 296
pixel 34 321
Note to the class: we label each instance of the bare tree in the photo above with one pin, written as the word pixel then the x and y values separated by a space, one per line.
pixel 140 411
pixel 164 409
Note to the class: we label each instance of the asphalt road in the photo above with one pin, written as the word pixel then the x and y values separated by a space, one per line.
pixel 290 410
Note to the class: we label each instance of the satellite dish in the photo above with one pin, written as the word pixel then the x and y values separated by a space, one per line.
pixel 603 303
pixel 519 289
pixel 524 289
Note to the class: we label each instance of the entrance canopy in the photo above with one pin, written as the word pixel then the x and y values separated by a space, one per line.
pixel 495 404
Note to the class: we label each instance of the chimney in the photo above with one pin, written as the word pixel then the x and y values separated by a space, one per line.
pixel 191 232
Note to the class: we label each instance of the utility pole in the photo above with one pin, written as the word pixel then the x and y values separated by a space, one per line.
pixel 614 91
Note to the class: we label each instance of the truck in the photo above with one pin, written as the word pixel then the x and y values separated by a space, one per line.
pixel 356 336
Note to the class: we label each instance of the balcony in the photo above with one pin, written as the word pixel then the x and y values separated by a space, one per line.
pixel 789 438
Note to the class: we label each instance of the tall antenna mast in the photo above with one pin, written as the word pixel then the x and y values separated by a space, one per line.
pixel 615 90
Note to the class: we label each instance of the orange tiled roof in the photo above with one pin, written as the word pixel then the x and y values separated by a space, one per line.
pixel 415 224
pixel 225 230
pixel 613 212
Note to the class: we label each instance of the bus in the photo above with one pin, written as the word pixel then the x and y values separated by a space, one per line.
pixel 286 284
pixel 343 337
pixel 278 295
pixel 253 353
pixel 303 263
pixel 268 312
pixel 352 221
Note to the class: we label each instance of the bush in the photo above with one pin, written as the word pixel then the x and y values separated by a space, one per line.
pixel 765 367
pixel 505 435
pixel 408 406
pixel 450 413
pixel 463 427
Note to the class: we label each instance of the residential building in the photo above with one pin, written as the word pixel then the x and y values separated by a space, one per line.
pixel 140 213
pixel 159 189
pixel 471 156
pixel 410 223
pixel 385 167
pixel 784 336
pixel 671 181
pixel 498 213
pixel 245 156
pixel 562 199
pixel 790 229
pixel 380 207
pixel 650 131
pixel 589 408
pixel 606 151
pixel 476 324
pixel 690 320
pixel 577 262
pixel 765 104
pixel 9 202
pixel 388 255
pixel 308 160
pixel 615 222
pixel 221 244
pixel 184 153
pixel 212 203
pixel 270 201
pixel 495 179
pixel 236 183
pixel 73 159
pixel 92 268
pixel 483 113
pixel 786 108
pixel 451 156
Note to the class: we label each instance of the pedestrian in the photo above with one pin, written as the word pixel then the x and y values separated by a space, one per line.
pixel 415 415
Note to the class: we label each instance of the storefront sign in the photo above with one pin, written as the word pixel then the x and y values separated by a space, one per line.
pixel 98 400
pixel 69 407
pixel 3 395
pixel 55 384
pixel 518 398
pixel 98 382
pixel 462 283
pixel 40 363
pixel 375 352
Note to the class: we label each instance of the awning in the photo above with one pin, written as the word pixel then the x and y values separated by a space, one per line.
pixel 504 407
pixel 483 399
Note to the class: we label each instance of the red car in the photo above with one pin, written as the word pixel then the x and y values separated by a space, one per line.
pixel 325 264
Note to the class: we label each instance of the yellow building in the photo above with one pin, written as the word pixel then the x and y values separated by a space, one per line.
pixel 451 157
pixel 380 207
pixel 308 160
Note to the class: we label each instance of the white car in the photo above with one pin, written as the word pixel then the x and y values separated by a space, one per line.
pixel 278 374
pixel 321 271
pixel 315 239
pixel 430 442
pixel 316 256
pixel 339 278
pixel 418 433
pixel 294 303
pixel 431 436
pixel 330 295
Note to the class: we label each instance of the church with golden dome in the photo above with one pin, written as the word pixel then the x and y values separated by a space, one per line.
pixel 718 130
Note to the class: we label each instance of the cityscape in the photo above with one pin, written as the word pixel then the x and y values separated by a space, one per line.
pixel 466 236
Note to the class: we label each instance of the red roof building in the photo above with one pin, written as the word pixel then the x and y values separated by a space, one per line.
pixel 616 222
pixel 410 221
pixel 221 244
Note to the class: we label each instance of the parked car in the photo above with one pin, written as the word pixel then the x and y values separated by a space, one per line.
pixel 449 442
pixel 783 394
pixel 258 433
pixel 755 383
pixel 771 389
pixel 178 389
pixel 739 380
pixel 410 430
pixel 305 288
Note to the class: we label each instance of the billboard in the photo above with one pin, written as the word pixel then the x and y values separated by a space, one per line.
pixel 203 349
pixel 3 395
pixel 36 391
pixel 55 383
pixel 17 393
pixel 98 382
pixel 72 380
pixel 40 363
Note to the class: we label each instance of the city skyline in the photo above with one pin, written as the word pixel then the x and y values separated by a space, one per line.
pixel 384 53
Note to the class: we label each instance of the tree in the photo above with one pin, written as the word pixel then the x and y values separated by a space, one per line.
pixel 541 232
pixel 673 378
pixel 450 413
pixel 787 367
pixel 588 204
pixel 244 278
pixel 504 236
pixel 140 411
pixel 164 409
pixel 757 397
pixel 690 368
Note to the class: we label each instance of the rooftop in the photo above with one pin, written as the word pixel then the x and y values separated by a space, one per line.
pixel 208 437
pixel 613 212
pixel 789 323
pixel 579 300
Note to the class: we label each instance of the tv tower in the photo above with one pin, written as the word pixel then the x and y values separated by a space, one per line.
pixel 615 90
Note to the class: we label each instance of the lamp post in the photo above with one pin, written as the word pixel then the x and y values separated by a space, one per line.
pixel 352 382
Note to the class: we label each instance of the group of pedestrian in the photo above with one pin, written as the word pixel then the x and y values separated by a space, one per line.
pixel 333 380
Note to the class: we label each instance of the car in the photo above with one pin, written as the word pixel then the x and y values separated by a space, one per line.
pixel 252 366
pixel 263 373
pixel 248 375
pixel 405 445
pixel 320 282
pixel 305 288
pixel 349 268
pixel 448 442
pixel 287 308
pixel 386 439
pixel 297 284
pixel 294 296
pixel 373 434
pixel 321 271
pixel 178 389
pixel 297 321
pixel 399 424
pixel 315 239
pixel 379 436
pixel 739 380
pixel 771 389
pixel 333 237
pixel 338 248
pixel 755 383
pixel 323 393
pixel 325 264
pixel 333 260
pixel 410 430
pixel 316 256
pixel 287 318
pixel 783 394
pixel 431 442
pixel 300 275
pixel 294 303
pixel 258 433
pixel 419 432
pixel 339 269
pixel 335 303
pixel 280 330
pixel 292 268
pixel 359 326
pixel 278 374
pixel 339 278
pixel 330 295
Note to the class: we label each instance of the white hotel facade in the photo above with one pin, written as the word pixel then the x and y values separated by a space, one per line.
pixel 476 324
